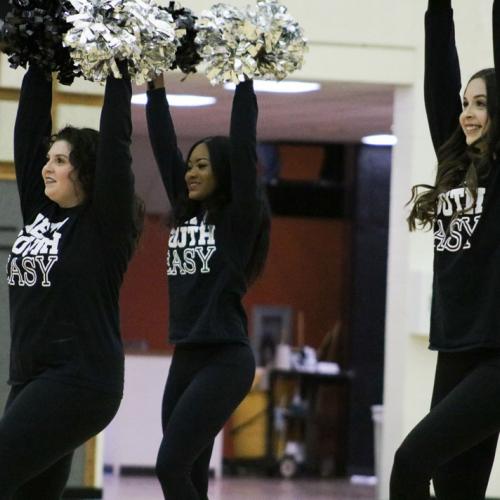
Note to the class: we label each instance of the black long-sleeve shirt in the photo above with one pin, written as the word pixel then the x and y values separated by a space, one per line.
pixel 466 287
pixel 67 264
pixel 206 262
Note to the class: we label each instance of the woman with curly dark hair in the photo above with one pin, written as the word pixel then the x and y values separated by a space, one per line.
pixel 454 445
pixel 81 224
pixel 217 247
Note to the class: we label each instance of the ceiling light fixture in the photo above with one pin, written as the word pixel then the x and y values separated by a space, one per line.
pixel 283 87
pixel 179 100
pixel 380 140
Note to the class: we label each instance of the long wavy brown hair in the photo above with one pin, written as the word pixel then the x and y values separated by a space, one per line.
pixel 458 163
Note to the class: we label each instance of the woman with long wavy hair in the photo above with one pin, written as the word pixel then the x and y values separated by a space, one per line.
pixel 454 445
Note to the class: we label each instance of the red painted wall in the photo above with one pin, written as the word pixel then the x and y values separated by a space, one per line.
pixel 299 162
pixel 307 269
pixel 143 302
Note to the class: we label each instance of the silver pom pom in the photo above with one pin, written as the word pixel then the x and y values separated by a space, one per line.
pixel 105 31
pixel 284 42
pixel 259 42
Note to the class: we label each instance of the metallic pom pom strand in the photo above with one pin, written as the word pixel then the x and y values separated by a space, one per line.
pixel 263 41
pixel 32 33
pixel 106 31
pixel 227 42
pixel 284 41
pixel 187 57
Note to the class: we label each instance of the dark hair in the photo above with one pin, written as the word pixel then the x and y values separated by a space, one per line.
pixel 84 144
pixel 260 249
pixel 458 163
pixel 83 155
pixel 219 149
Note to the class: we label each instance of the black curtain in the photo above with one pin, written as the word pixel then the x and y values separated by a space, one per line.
pixel 367 321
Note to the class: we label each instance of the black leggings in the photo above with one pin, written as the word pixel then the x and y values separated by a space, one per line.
pixel 43 423
pixel 204 386
pixel 454 445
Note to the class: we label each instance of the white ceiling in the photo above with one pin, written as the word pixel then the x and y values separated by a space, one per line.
pixel 339 112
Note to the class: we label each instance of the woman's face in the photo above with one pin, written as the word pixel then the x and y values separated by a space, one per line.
pixel 474 118
pixel 200 179
pixel 60 177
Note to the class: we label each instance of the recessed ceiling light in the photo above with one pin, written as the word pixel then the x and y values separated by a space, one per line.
pixel 380 140
pixel 283 87
pixel 180 100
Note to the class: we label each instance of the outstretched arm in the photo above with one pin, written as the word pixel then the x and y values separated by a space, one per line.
pixel 114 181
pixel 164 141
pixel 442 72
pixel 243 147
pixel 31 136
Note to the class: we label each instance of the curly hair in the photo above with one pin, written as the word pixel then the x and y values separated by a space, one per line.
pixel 219 149
pixel 458 163
pixel 84 144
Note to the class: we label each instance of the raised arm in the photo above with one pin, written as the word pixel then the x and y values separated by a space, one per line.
pixel 442 72
pixel 114 181
pixel 164 141
pixel 31 136
pixel 243 147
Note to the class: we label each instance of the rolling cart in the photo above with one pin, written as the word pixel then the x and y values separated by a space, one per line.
pixel 305 435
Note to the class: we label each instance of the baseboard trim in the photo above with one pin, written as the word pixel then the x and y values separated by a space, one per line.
pixel 141 471
pixel 82 492
pixel 134 470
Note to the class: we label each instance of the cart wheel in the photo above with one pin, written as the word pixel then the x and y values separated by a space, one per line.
pixel 288 467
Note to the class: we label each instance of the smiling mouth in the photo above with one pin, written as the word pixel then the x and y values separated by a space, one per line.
pixel 472 128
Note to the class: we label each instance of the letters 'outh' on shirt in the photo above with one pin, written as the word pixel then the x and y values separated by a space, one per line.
pixel 67 264
pixel 466 288
pixel 206 261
